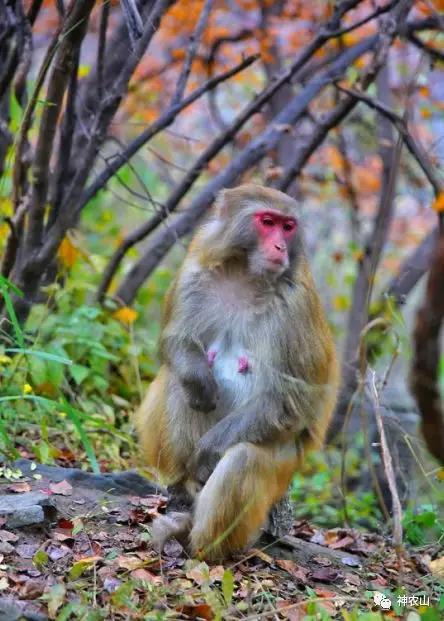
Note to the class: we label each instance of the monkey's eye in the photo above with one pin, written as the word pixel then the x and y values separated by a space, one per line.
pixel 288 226
pixel 267 221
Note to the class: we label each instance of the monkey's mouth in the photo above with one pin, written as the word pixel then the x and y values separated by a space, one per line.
pixel 277 264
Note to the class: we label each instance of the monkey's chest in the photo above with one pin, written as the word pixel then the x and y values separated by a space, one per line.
pixel 234 370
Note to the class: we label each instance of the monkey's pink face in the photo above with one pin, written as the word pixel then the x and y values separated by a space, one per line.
pixel 275 232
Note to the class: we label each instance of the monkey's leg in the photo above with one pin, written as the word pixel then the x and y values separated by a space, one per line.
pixel 236 499
pixel 157 447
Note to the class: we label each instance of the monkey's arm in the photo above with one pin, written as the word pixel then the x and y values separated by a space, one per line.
pixel 258 424
pixel 189 363
pixel 184 353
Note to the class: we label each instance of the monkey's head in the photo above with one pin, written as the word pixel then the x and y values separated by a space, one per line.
pixel 256 225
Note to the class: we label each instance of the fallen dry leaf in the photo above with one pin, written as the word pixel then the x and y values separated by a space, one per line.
pixel 325 574
pixel 26 550
pixel 297 571
pixel 65 524
pixel 353 579
pixel 322 560
pixel 5 535
pixel 331 537
pixel 288 610
pixel 217 573
pixel 147 576
pixel 341 543
pixel 32 588
pixel 379 582
pixel 195 611
pixel 111 583
pixel 89 559
pixel 60 536
pixel 328 606
pixel 19 488
pixel 325 593
pixel 437 567
pixel 199 573
pixel 57 552
pixel 129 562
pixel 63 488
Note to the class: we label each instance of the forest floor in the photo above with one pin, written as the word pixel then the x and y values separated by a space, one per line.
pixel 77 546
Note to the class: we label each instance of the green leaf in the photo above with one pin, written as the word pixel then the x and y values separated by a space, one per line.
pixel 40 354
pixel 55 372
pixel 431 614
pixel 67 612
pixel 80 566
pixel 79 373
pixel 76 420
pixel 4 286
pixel 428 518
pixel 37 369
pixel 228 586
pixel 55 598
pixel 40 559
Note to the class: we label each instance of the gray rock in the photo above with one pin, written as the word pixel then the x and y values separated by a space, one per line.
pixel 119 483
pixel 11 610
pixel 26 509
pixel 6 548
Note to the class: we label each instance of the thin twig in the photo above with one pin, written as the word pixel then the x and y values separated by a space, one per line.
pixel 161 123
pixel 388 467
pixel 191 52
pixel 101 47
pixel 413 146
pixel 133 20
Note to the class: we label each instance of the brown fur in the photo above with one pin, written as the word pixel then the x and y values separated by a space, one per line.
pixel 246 443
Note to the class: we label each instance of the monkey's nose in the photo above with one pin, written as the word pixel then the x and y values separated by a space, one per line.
pixel 280 247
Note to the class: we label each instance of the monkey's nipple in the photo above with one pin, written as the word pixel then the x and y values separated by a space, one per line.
pixel 211 355
pixel 242 364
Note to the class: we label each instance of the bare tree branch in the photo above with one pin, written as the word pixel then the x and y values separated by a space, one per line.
pixel 358 315
pixel 74 30
pixel 133 20
pixel 60 176
pixel 413 146
pixel 433 52
pixel 412 269
pixel 191 52
pixel 329 30
pixel 21 138
pixel 34 10
pixel 101 48
pixel 162 241
pixel 425 367
pixel 161 123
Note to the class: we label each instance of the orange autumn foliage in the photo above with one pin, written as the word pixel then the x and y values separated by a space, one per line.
pixel 68 253
pixel 366 179
pixel 438 203
pixel 126 315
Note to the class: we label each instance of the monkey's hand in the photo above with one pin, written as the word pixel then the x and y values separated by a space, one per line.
pixel 200 389
pixel 204 461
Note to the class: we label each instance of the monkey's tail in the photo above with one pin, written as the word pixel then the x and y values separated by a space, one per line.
pixel 175 524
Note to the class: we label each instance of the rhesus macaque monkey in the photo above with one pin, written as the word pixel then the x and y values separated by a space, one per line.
pixel 249 375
